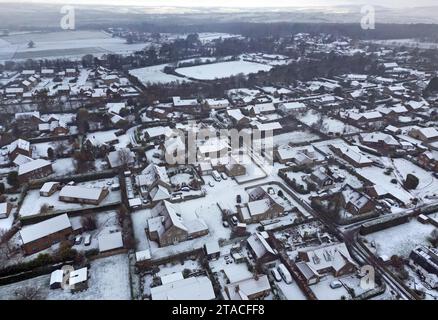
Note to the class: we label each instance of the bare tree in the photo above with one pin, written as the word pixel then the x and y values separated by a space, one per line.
pixel 28 293
pixel 125 157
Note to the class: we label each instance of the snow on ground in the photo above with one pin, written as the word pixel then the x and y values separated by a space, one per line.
pixel 402 239
pixel 291 291
pixel 6 223
pixel 32 202
pixel 106 222
pixel 63 167
pixel 376 175
pixel 155 74
pixel 428 184
pixel 253 172
pixel 73 44
pixel 109 280
pixel 222 70
pixel 329 125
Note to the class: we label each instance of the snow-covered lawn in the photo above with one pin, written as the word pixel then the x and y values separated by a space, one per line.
pixel 33 201
pixel 329 125
pixel 222 70
pixel 376 175
pixel 6 223
pixel 428 184
pixel 109 280
pixel 63 167
pixel 402 239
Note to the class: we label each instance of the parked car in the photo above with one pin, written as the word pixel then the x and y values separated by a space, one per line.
pixel 78 240
pixel 225 224
pixel 185 189
pixel 216 176
pixel 284 273
pixel 211 183
pixel 238 198
pixel 87 240
pixel 224 176
pixel 276 275
pixel 234 220
pixel 335 284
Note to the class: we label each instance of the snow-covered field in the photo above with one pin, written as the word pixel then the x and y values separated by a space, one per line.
pixel 222 70
pixel 72 44
pixel 401 239
pixel 155 74
pixel 109 280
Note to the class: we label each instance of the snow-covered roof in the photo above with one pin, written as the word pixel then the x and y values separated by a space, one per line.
pixel 143 255
pixel 79 192
pixel 4 208
pixel 356 198
pixel 19 144
pixel 249 287
pixel 48 186
pixel 32 166
pixel 269 126
pixel 292 106
pixel 334 255
pixel 78 276
pixel 21 159
pixel 259 206
pixel 159 193
pixel 212 247
pixel 115 107
pixel 259 245
pixel 172 277
pixel 110 241
pixel 193 288
pixel 44 228
pixel 379 137
pixel 56 276
pixel 427 132
pixel 178 102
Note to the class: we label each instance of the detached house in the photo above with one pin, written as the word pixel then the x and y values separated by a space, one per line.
pixel 332 259
pixel 18 147
pixel 261 208
pixel 83 195
pixel 43 235
pixel 35 169
pixel 424 134
pixel 260 248
pixel 380 141
pixel 355 202
pixel 168 228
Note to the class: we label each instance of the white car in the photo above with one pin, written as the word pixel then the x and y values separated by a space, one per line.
pixel 276 275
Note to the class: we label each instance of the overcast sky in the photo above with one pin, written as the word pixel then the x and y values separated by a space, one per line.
pixel 245 3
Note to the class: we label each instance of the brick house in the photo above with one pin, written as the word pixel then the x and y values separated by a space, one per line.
pixel 332 258
pixel 78 194
pixel 35 169
pixel 43 235
pixel 429 159
pixel 168 228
